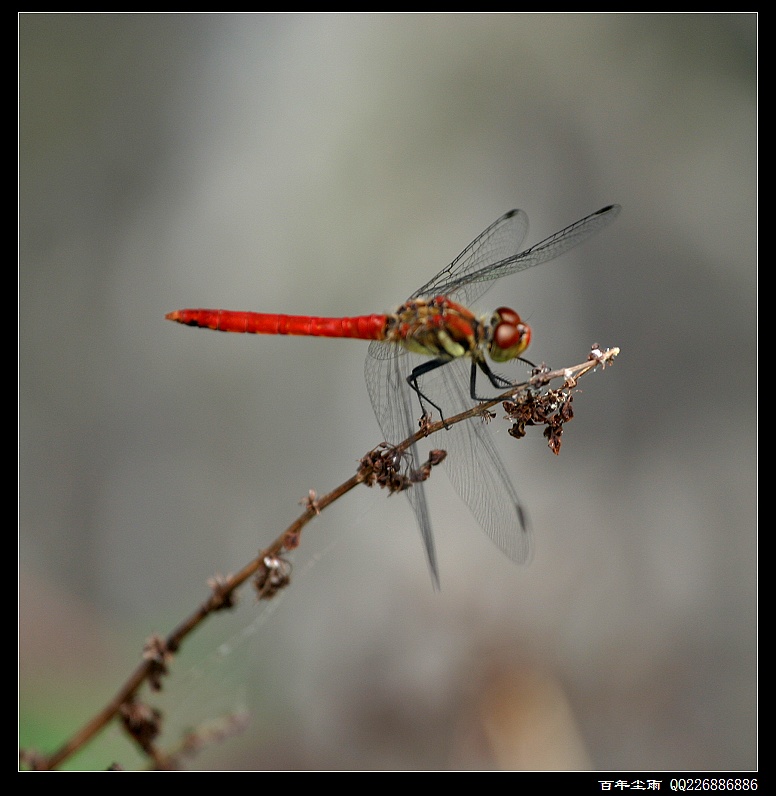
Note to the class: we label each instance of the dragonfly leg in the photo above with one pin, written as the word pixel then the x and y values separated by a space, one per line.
pixel 499 382
pixel 412 380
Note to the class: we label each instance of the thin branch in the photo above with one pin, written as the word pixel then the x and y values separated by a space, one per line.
pixel 526 404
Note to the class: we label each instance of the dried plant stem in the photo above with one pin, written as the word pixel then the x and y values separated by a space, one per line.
pixel 271 572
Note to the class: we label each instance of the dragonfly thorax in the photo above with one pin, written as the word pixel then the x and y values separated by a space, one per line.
pixel 439 327
pixel 509 335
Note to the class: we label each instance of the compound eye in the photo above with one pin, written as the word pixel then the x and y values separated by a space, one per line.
pixel 509 316
pixel 507 336
pixel 510 336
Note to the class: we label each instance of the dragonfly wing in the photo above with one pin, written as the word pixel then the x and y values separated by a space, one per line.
pixel 386 371
pixel 478 474
pixel 473 465
pixel 482 270
pixel 502 239
pixel 475 469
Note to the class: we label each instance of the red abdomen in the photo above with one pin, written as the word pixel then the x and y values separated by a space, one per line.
pixel 362 327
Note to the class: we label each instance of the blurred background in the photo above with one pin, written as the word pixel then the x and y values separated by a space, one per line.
pixel 331 164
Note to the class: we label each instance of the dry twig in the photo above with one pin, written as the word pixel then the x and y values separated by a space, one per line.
pixel 527 404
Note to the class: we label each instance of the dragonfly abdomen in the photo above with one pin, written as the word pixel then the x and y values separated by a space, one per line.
pixel 362 327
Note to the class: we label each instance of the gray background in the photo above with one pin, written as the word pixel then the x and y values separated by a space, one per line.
pixel 330 164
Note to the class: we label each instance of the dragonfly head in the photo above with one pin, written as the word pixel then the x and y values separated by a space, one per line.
pixel 510 336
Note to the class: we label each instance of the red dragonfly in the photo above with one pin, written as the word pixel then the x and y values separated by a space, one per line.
pixel 435 323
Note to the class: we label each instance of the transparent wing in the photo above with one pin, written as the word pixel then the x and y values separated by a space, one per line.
pixel 475 469
pixel 495 254
pixel 477 472
pixel 502 239
pixel 473 464
pixel 386 371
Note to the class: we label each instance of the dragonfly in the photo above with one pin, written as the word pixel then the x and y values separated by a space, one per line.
pixel 433 346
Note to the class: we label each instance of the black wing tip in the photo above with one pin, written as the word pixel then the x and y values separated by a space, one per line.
pixel 525 552
pixel 613 210
pixel 433 566
pixel 523 519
